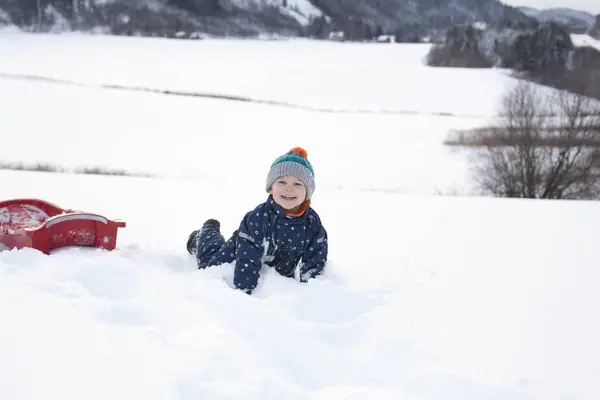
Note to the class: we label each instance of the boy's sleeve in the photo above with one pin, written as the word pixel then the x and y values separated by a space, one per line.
pixel 315 256
pixel 249 252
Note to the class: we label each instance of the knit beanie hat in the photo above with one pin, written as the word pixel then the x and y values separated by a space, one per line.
pixel 293 163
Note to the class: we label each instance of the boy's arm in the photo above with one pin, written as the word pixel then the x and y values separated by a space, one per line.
pixel 249 252
pixel 315 257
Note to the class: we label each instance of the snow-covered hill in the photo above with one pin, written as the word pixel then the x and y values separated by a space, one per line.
pixel 296 72
pixel 426 297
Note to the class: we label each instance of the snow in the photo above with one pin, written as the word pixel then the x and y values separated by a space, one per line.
pixel 297 72
pixel 301 10
pixel 195 127
pixel 581 40
pixel 443 297
pixel 25 216
pixel 5 29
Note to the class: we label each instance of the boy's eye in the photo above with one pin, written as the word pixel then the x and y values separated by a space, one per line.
pixel 298 184
pixel 281 182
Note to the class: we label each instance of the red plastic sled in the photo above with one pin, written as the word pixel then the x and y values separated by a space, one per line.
pixel 45 226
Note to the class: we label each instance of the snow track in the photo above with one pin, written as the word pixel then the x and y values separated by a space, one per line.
pixel 223 96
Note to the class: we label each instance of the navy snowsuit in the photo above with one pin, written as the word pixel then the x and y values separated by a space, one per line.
pixel 266 235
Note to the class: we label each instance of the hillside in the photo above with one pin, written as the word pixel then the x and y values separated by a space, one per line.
pixel 595 30
pixel 182 18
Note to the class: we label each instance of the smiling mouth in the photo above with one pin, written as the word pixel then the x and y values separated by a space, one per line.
pixel 288 197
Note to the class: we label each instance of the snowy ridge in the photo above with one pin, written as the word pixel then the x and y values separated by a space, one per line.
pixel 563 15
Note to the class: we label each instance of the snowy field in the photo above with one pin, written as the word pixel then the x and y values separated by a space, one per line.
pixel 332 76
pixel 426 297
pixel 585 40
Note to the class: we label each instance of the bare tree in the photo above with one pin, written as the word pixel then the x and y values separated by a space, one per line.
pixel 546 146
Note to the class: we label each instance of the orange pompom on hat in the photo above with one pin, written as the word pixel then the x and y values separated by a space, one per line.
pixel 293 163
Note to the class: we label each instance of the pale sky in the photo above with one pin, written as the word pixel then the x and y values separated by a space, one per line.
pixel 592 6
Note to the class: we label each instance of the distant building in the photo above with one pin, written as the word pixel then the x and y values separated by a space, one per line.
pixel 385 39
pixel 337 36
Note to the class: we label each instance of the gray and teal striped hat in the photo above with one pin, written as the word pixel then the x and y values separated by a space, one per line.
pixel 293 163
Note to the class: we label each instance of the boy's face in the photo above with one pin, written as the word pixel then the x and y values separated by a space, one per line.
pixel 289 192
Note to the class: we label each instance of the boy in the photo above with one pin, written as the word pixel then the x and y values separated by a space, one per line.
pixel 281 232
